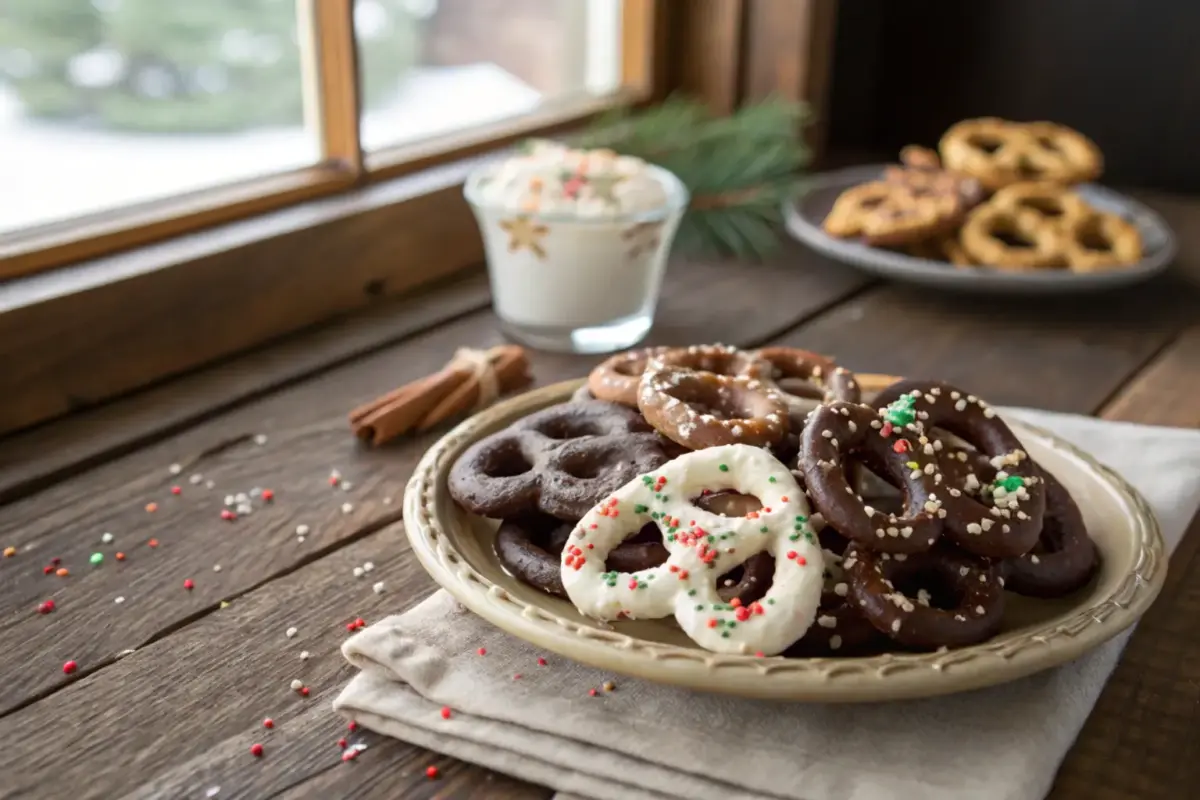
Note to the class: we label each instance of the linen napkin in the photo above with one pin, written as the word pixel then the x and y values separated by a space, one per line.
pixel 642 741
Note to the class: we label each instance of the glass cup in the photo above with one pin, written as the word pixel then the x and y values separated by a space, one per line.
pixel 577 284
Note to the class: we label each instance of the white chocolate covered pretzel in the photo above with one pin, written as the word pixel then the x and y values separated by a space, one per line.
pixel 703 546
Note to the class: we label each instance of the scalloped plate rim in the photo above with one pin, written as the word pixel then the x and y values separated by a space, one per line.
pixel 892 676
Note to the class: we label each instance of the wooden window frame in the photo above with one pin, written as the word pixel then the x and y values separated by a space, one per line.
pixel 155 291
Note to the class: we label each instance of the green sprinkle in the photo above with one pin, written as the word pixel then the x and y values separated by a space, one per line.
pixel 665 498
pixel 640 509
pixel 1009 484
pixel 723 467
pixel 700 607
pixel 801 518
pixel 724 634
pixel 653 575
pixel 670 537
pixel 793 537
pixel 691 592
pixel 903 411
pixel 731 624
pixel 770 601
pixel 646 479
pixel 710 538
pixel 96 558
pixel 771 479
pixel 764 529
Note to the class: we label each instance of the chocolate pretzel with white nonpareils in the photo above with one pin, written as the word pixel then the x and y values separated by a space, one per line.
pixel 1064 558
pixel 840 629
pixel 841 432
pixel 941 598
pixel 1005 520
pixel 699 409
pixel 702 546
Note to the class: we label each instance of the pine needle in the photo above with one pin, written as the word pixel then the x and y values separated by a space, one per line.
pixel 738 168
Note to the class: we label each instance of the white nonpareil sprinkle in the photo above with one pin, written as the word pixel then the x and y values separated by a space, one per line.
pixel 212 791
pixel 106 537
pixel 229 500
pixel 118 600
pixel 333 473
pixel 242 497
pixel 244 508
pixel 347 486
pixel 347 508
pixel 175 469
pixel 290 632
pixel 387 501
pixel 300 539
pixel 301 530
pixel 297 685
pixel 209 484
pixel 358 572
pixel 368 566
pixel 260 439
pixel 378 587
pixel 305 655
pixel 216 567
pixel 195 479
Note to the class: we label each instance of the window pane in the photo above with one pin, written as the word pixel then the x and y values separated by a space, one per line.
pixel 109 102
pixel 431 67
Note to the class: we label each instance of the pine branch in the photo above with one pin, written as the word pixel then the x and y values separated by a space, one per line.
pixel 738 168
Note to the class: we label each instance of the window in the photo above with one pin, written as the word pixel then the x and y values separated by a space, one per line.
pixel 126 121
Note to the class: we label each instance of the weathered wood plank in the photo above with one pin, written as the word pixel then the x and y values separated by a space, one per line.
pixel 307 436
pixel 1168 391
pixel 1064 355
pixel 35 458
pixel 1139 740
pixel 179 716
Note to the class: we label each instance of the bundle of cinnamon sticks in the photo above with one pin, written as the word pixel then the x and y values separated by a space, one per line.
pixel 471 381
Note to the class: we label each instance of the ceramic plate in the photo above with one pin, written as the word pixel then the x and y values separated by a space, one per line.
pixel 815 195
pixel 456 549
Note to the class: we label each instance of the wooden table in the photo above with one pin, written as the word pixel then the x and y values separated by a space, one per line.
pixel 173 683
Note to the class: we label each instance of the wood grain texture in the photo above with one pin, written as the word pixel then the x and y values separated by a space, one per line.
pixel 1140 738
pixel 161 312
pixel 789 53
pixel 708 54
pixel 181 713
pixel 307 437
pixel 37 457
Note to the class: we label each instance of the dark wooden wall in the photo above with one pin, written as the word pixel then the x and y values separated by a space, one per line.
pixel 1126 72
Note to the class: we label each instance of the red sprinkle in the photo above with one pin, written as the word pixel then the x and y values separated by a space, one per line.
pixel 349 755
pixel 886 430
pixel 120 556
pixel 801 560
pixel 153 542
pixel 742 614
pixel 151 508
pixel 176 490
pixel 55 561
pixel 268 495
pixel 256 750
pixel 712 623
pixel 228 515
pixel 359 623
pixel 431 772
pixel 352 726
pixel 791 553
pixel 188 584
pixel 541 662
pixel 445 712
pixel 47 570
pixel 633 583
pixel 304 691
pixel 517 677
pixel 901 446
pixel 342 743
pixel 758 654
pixel 70 667
pixel 591 692
pixel 482 651
pixel 46 607
pixel 350 626
pixel 333 480
pixel 268 723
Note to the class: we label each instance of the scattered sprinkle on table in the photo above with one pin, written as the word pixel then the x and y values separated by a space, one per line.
pixel 482 651
pixel 151 508
pixel 195 479
pixel 290 632
pixel 96 558
pixel 609 686
pixel 256 750
pixel 10 551
pixel 223 604
pixel 176 490
pixel 541 661
pixel 357 572
pixel 431 773
pixel 119 556
pixel 445 712
pixel 296 684
pixel 153 542
pixel 212 791
pixel 302 530
pixel 387 501
pixel 368 566
pixel 591 692
pixel 118 600
pixel 268 495
pixel 304 691
pixel 347 486
pixel 210 484
pixel 70 667
pixel 175 469
pixel 268 723
pixel 342 743
pixel 352 726
pixel 62 572
pixel 517 677
pixel 216 567
pixel 45 607
pixel 260 439
pixel 378 587
pixel 305 655
pixel 106 538
pixel 347 508
pixel 188 584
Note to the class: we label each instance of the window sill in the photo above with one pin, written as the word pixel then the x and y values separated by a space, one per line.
pixel 82 334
